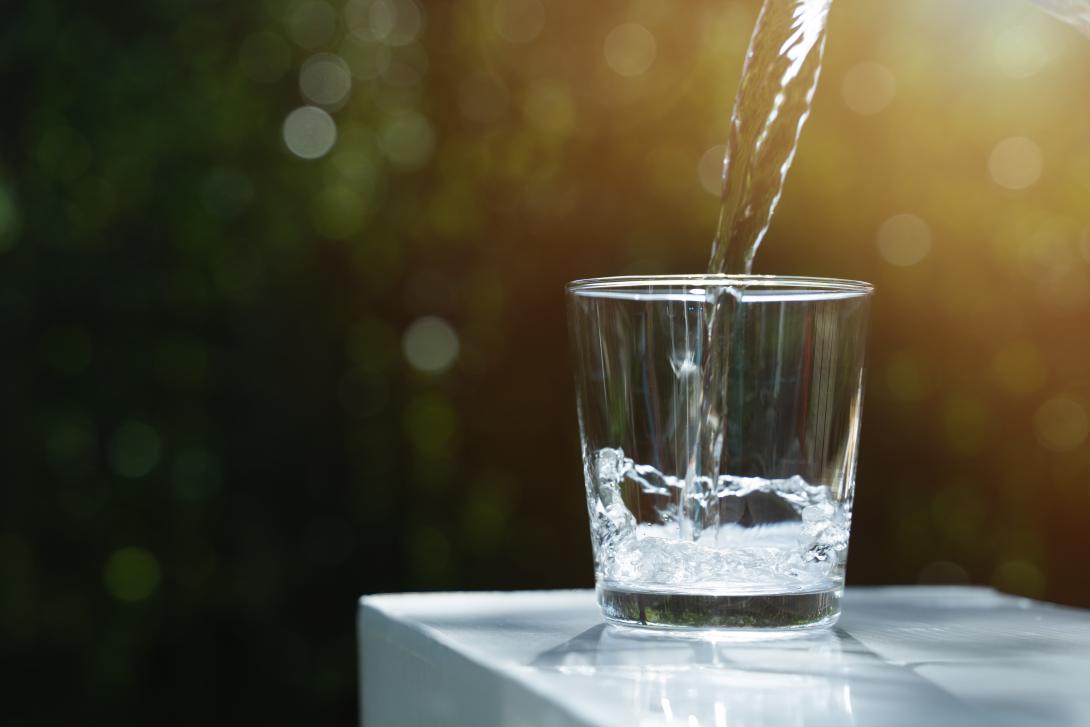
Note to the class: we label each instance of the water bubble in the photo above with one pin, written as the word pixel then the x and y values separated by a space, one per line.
pixel 1016 163
pixel 630 49
pixel 132 574
pixel 407 139
pixel 1061 424
pixel 309 132
pixel 518 21
pixel 904 240
pixel 325 79
pixel 430 344
pixel 868 88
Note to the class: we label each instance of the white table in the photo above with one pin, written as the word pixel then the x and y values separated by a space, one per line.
pixel 899 656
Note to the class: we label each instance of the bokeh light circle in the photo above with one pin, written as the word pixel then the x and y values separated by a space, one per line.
pixel 1020 51
pixel 519 21
pixel 309 132
pixel 1016 163
pixel 549 106
pixel 868 88
pixel 630 49
pixel 710 169
pixel 1061 424
pixel 432 425
pixel 407 139
pixel 395 22
pixel 366 59
pixel 904 240
pixel 338 212
pixel 135 449
pixel 132 574
pixel 407 67
pixel 325 79
pixel 430 344
pixel 312 24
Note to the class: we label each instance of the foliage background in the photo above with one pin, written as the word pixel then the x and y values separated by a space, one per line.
pixel 244 387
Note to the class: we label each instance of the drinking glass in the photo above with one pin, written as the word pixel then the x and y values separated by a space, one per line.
pixel 719 417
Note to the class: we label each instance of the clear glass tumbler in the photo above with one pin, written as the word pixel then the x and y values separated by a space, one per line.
pixel 719 418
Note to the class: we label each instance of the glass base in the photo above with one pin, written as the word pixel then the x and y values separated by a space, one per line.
pixel 774 611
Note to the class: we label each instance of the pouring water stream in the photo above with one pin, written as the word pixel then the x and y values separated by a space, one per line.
pixel 775 95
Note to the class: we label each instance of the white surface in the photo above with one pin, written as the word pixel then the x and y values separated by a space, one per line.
pixel 900 656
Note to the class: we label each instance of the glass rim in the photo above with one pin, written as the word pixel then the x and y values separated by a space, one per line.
pixel 782 284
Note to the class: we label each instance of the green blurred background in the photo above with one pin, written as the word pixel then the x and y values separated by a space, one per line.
pixel 282 296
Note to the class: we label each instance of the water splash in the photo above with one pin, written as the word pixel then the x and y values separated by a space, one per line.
pixel 782 534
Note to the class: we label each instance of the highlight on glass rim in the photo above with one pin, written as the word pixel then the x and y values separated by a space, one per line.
pixel 502 362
